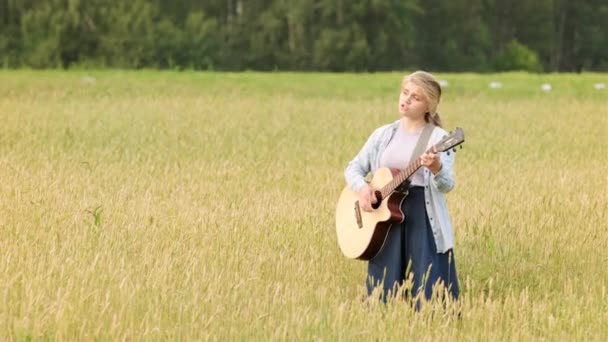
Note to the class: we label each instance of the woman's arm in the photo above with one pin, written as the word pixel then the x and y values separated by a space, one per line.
pixel 361 165
pixel 444 179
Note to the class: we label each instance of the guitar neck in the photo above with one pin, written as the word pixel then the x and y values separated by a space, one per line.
pixel 401 177
pixel 448 142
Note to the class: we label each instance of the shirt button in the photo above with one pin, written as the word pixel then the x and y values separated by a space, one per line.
pixel 427 202
pixel 431 219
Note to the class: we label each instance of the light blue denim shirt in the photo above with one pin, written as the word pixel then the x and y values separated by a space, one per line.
pixel 435 188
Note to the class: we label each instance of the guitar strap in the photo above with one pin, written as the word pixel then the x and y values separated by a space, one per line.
pixel 423 140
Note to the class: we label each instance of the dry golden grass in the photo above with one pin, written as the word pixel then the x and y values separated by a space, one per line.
pixel 180 206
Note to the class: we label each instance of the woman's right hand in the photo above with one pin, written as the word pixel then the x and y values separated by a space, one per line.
pixel 367 198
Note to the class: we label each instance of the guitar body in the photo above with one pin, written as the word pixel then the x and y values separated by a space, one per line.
pixel 362 234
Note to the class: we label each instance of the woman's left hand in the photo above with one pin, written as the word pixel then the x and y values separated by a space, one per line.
pixel 432 161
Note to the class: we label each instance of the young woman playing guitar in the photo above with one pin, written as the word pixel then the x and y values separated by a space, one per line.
pixel 422 245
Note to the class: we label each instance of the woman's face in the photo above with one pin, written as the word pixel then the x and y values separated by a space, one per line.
pixel 412 101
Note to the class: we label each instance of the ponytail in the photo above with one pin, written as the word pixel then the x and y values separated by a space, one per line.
pixel 434 118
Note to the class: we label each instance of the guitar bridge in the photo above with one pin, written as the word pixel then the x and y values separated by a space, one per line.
pixel 358 215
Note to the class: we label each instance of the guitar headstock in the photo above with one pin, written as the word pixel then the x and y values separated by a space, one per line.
pixel 451 140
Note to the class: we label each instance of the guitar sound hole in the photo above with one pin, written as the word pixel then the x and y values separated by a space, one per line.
pixel 378 195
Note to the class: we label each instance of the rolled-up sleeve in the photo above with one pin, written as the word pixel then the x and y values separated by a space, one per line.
pixel 444 179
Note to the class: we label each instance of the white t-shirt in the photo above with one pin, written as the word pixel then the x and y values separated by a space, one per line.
pixel 398 153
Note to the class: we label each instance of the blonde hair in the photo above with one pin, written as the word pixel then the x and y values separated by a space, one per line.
pixel 432 91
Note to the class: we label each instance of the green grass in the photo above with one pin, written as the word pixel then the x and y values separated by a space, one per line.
pixel 159 205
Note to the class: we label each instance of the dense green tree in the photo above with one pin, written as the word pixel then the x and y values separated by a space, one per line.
pixel 453 36
pixel 333 35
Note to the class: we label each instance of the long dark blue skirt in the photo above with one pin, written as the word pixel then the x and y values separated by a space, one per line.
pixel 410 248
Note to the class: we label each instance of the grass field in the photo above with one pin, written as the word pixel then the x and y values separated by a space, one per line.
pixel 179 206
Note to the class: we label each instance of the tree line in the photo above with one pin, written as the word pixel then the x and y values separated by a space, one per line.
pixel 320 35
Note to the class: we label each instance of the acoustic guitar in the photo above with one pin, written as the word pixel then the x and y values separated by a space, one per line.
pixel 362 234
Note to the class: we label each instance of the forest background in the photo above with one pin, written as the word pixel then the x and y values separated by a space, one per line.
pixel 306 35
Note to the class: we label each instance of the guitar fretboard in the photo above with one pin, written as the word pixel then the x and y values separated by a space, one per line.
pixel 452 140
pixel 400 178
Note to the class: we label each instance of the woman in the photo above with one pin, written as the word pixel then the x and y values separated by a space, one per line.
pixel 423 244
